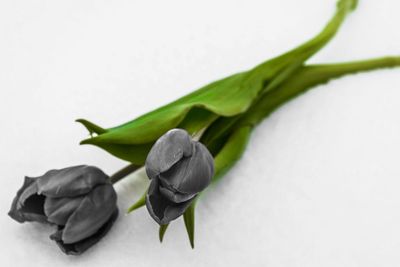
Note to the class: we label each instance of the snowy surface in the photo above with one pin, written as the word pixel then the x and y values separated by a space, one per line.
pixel 318 185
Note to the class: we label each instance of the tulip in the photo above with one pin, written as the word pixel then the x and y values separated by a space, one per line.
pixel 179 168
pixel 79 200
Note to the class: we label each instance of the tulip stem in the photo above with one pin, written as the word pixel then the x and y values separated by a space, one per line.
pixel 123 173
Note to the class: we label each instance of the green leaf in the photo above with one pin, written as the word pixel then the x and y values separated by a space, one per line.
pixel 91 127
pixel 306 78
pixel 139 203
pixel 223 97
pixel 231 151
pixel 188 218
pixel 301 81
pixel 227 97
pixel 161 232
pixel 197 119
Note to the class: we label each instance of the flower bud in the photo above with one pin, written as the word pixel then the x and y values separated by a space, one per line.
pixel 79 200
pixel 179 168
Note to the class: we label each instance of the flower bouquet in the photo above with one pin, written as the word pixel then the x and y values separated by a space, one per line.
pixel 184 146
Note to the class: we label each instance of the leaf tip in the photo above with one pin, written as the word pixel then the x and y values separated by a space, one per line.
pixel 86 142
pixel 140 203
pixel 188 218
pixel 161 232
pixel 134 207
pixel 91 127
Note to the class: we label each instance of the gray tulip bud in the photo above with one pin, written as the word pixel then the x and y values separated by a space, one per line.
pixel 179 168
pixel 79 200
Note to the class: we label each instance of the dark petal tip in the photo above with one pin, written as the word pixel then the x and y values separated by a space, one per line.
pixel 15 215
pixel 27 204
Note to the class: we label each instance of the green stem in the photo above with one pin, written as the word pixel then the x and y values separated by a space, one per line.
pixel 289 62
pixel 123 173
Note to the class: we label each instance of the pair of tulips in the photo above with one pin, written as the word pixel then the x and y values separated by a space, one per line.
pixel 81 200
pixel 82 203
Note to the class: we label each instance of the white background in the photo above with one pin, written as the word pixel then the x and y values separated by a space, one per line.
pixel 318 185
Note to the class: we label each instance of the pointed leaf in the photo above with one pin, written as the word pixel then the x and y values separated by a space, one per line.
pixel 139 203
pixel 188 217
pixel 161 231
pixel 91 127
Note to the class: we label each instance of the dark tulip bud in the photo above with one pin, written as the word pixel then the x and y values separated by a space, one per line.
pixel 79 200
pixel 179 168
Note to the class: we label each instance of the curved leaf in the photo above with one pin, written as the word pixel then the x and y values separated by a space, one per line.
pixel 227 97
pixel 301 81
pixel 305 79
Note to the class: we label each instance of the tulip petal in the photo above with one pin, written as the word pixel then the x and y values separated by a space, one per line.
pixel 72 181
pixel 81 246
pixel 27 192
pixel 174 195
pixel 58 210
pixel 167 151
pixel 94 210
pixel 193 174
pixel 27 205
pixel 160 208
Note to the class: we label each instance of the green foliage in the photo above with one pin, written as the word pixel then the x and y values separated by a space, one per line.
pixel 240 128
pixel 230 108
pixel 304 79
pixel 227 97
